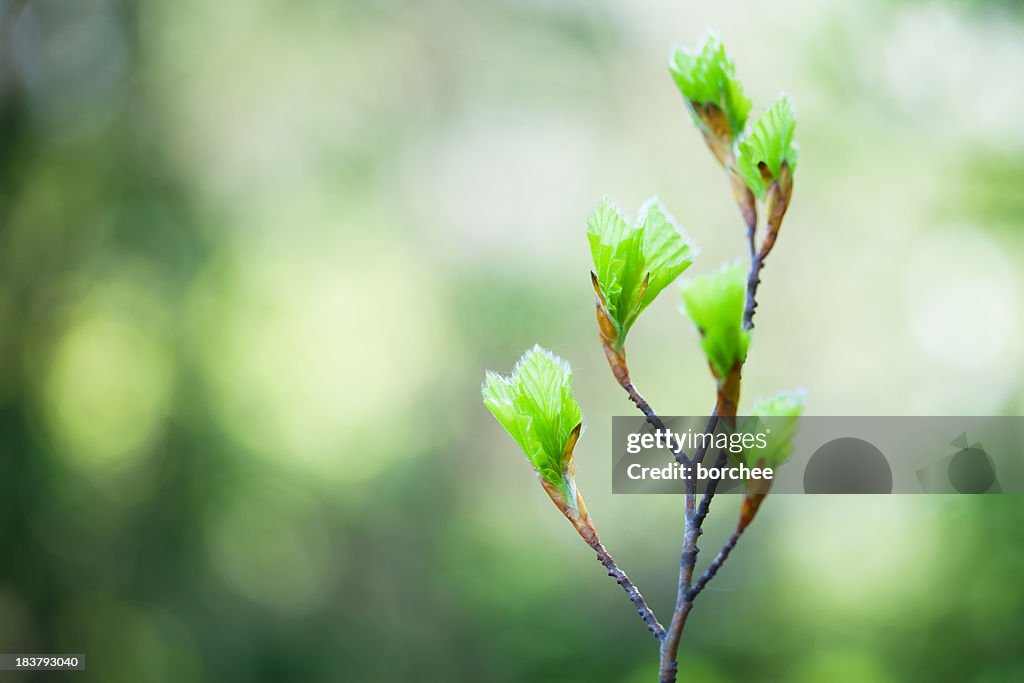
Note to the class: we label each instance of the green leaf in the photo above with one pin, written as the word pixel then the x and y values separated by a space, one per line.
pixel 761 153
pixel 635 263
pixel 781 414
pixel 536 407
pixel 708 76
pixel 715 304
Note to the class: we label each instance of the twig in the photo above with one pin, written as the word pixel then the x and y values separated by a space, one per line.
pixel 580 519
pixel 751 239
pixel 642 608
pixel 652 417
pixel 753 280
pixel 643 405
pixel 687 562
pixel 712 423
pixel 709 492
pixel 615 353
pixel 669 665
pixel 715 565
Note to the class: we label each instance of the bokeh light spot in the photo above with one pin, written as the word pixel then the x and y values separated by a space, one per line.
pixel 309 354
pixel 267 545
pixel 963 300
pixel 842 666
pixel 855 552
pixel 107 387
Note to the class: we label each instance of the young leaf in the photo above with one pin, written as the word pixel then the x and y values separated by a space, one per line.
pixel 762 153
pixel 783 412
pixel 633 264
pixel 714 96
pixel 715 305
pixel 536 407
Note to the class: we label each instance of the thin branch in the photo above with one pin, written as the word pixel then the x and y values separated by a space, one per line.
pixel 616 356
pixel 751 239
pixel 669 666
pixel 712 423
pixel 687 562
pixel 709 492
pixel 643 405
pixel 645 612
pixel 652 417
pixel 584 525
pixel 685 593
pixel 715 565
pixel 753 280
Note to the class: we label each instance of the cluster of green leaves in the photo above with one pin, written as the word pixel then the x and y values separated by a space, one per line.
pixel 715 305
pixel 633 264
pixel 768 146
pixel 708 76
pixel 536 406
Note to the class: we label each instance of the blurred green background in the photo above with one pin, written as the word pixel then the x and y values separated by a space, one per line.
pixel 255 257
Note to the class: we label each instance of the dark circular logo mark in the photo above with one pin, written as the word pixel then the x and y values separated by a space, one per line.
pixel 848 465
pixel 971 470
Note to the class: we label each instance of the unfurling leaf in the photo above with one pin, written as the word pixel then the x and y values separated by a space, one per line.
pixel 633 264
pixel 536 407
pixel 781 414
pixel 715 305
pixel 713 94
pixel 768 148
pixel 783 411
